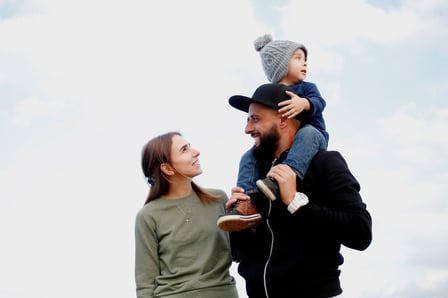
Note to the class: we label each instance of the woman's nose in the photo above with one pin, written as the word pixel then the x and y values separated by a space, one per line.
pixel 196 152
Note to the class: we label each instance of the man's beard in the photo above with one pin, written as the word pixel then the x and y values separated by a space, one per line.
pixel 264 152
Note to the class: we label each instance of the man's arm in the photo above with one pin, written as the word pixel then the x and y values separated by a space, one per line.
pixel 339 209
pixel 335 209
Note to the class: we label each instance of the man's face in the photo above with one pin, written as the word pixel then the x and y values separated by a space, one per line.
pixel 262 125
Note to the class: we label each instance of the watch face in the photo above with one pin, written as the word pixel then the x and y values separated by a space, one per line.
pixel 301 198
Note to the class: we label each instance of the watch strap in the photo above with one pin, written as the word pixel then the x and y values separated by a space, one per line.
pixel 300 199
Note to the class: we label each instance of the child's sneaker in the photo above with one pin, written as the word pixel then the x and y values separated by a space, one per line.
pixel 242 215
pixel 269 187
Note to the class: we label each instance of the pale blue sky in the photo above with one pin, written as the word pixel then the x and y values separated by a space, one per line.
pixel 84 84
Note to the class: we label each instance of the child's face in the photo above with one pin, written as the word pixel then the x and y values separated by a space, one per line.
pixel 296 68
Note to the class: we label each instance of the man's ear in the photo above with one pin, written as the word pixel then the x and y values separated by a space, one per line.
pixel 166 169
pixel 284 121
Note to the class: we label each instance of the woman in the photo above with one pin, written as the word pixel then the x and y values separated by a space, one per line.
pixel 180 252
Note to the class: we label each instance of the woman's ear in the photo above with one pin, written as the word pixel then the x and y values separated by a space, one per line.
pixel 167 169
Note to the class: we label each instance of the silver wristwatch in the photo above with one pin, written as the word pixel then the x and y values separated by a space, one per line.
pixel 300 200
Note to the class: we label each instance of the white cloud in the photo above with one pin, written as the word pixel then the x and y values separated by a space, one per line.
pixel 31 109
pixel 356 21
pixel 96 79
pixel 419 133
pixel 401 164
pixel 121 74
pixel 435 280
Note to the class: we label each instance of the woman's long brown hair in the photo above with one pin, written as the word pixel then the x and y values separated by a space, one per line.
pixel 156 152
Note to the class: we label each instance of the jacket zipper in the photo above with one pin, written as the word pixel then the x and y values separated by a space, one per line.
pixel 272 244
pixel 270 253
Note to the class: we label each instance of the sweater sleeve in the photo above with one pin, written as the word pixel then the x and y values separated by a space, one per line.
pixel 340 212
pixel 311 93
pixel 146 260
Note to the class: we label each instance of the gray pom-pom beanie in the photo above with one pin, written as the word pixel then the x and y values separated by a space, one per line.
pixel 275 55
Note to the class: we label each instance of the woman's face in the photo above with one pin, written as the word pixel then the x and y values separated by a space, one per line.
pixel 184 158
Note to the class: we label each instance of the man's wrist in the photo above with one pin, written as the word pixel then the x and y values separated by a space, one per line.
pixel 300 200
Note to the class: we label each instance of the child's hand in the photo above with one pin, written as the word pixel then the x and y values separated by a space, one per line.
pixel 294 106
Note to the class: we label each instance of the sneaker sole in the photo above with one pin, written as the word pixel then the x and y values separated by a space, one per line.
pixel 233 223
pixel 266 190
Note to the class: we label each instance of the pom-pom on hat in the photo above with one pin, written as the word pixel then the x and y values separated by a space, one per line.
pixel 275 55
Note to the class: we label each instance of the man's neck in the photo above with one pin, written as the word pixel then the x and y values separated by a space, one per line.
pixel 283 145
pixel 281 156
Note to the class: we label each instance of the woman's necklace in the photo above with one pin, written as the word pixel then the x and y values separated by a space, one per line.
pixel 185 211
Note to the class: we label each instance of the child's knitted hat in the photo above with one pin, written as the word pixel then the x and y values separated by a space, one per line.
pixel 275 55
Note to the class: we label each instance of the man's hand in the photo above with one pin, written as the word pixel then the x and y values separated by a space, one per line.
pixel 237 194
pixel 286 179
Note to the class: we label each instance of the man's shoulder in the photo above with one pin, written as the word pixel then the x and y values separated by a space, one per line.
pixel 328 153
pixel 324 156
pixel 326 162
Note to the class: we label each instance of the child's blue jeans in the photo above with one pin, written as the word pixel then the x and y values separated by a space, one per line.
pixel 307 141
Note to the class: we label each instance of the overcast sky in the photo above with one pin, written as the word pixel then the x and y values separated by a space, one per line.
pixel 85 84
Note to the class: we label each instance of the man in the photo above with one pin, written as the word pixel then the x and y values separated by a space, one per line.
pixel 294 251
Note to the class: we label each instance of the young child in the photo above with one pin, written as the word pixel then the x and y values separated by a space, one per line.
pixel 285 62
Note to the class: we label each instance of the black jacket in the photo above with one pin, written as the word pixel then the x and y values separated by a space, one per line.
pixel 297 255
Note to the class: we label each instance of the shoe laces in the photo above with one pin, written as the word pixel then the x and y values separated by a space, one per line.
pixel 234 205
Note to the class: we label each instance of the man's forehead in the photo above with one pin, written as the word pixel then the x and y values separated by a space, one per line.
pixel 256 108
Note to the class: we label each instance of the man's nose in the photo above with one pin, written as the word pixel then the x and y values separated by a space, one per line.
pixel 249 128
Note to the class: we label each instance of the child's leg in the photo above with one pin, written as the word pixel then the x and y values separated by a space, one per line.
pixel 307 142
pixel 243 214
pixel 248 173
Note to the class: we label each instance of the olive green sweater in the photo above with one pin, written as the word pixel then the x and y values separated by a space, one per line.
pixel 180 251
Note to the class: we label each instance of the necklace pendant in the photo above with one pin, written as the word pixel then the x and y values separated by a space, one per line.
pixel 187 220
